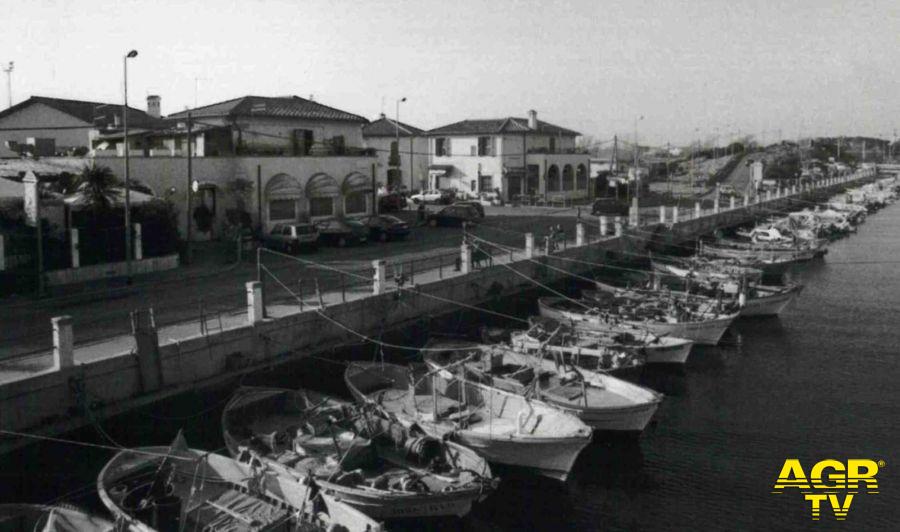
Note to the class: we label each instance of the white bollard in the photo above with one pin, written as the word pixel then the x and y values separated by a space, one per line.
pixel 746 200
pixel 675 214
pixel 73 248
pixel 63 342
pixel 618 223
pixel 138 243
pixel 662 214
pixel 716 205
pixel 731 203
pixel 697 209
pixel 254 302
pixel 378 280
pixel 768 195
pixel 529 245
pixel 604 226
pixel 579 234
pixel 465 256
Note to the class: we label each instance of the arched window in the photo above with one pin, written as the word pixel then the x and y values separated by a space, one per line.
pixel 553 179
pixel 282 196
pixel 581 178
pixel 356 189
pixel 322 191
pixel 568 178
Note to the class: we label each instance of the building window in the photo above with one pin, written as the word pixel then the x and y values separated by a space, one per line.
pixel 301 141
pixel 321 207
pixel 285 209
pixel 581 178
pixel 486 146
pixel 552 145
pixel 356 203
pixel 553 179
pixel 442 147
pixel 568 178
pixel 486 184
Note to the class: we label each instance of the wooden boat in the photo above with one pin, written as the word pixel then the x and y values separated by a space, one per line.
pixel 605 353
pixel 61 518
pixel 655 349
pixel 503 427
pixel 177 488
pixel 751 252
pixel 718 271
pixel 705 330
pixel 367 461
pixel 600 400
pixel 763 300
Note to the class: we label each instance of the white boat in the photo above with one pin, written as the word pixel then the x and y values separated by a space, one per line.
pixel 707 331
pixel 62 518
pixel 655 349
pixel 362 459
pixel 160 488
pixel 763 300
pixel 503 427
pixel 600 400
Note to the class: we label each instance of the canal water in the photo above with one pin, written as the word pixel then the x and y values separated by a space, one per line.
pixel 822 381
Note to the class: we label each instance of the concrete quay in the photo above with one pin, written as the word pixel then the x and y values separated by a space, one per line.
pixel 75 385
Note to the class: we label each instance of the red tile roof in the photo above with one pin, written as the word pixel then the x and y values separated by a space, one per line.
pixel 385 127
pixel 282 107
pixel 94 113
pixel 496 126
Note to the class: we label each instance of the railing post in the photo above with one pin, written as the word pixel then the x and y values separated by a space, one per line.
pixel 138 243
pixel 465 257
pixel 731 203
pixel 716 205
pixel 440 266
pixel 675 214
pixel 412 272
pixel 73 248
pixel 378 279
pixel 634 213
pixel 604 226
pixel 697 209
pixel 63 342
pixel 618 224
pixel 255 302
pixel 662 214
pixel 746 199
pixel 579 234
pixel 529 245
pixel 146 341
pixel 343 288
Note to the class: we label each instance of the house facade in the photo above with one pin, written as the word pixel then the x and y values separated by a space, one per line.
pixel 519 157
pixel 410 169
pixel 54 126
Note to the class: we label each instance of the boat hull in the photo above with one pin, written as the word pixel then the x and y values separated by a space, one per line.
pixel 675 351
pixel 548 457
pixel 769 305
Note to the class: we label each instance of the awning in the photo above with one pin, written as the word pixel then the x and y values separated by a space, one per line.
pixel 356 182
pixel 322 186
pixel 440 170
pixel 284 186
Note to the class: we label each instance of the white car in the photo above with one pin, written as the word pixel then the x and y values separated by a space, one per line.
pixel 427 196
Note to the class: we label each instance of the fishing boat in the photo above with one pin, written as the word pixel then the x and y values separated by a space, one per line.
pixel 702 269
pixel 177 488
pixel 571 337
pixel 605 353
pixel 702 329
pixel 503 427
pixel 58 518
pixel 600 400
pixel 770 262
pixel 764 300
pixel 372 463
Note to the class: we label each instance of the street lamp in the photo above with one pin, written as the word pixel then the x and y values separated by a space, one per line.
pixel 637 183
pixel 397 131
pixel 130 55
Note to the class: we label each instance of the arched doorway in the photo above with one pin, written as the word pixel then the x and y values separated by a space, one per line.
pixel 581 178
pixel 322 193
pixel 568 178
pixel 283 199
pixel 553 178
pixel 357 192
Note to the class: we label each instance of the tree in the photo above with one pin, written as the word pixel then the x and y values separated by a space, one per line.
pixel 99 186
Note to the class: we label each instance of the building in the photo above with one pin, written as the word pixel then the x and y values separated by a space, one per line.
pixel 412 171
pixel 515 156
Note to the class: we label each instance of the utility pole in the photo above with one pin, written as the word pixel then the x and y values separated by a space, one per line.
pixel 130 55
pixel 637 180
pixel 668 173
pixel 188 256
pixel 9 70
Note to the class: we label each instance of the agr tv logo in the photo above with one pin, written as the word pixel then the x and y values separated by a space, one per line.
pixel 836 489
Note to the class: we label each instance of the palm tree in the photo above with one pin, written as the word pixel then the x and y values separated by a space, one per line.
pixel 99 186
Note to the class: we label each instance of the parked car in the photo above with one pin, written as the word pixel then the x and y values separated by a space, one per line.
pixel 392 202
pixel 609 207
pixel 475 203
pixel 427 196
pixel 342 232
pixel 383 227
pixel 291 237
pixel 454 216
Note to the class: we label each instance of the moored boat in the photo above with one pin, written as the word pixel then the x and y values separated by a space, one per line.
pixel 503 427
pixel 367 461
pixel 763 300
pixel 602 401
pixel 57 518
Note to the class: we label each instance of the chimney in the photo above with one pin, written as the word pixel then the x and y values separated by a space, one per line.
pixel 532 119
pixel 382 116
pixel 153 106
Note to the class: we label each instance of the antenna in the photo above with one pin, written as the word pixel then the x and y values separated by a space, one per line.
pixel 197 88
pixel 9 70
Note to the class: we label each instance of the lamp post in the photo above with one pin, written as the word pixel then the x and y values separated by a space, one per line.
pixel 130 55
pixel 397 132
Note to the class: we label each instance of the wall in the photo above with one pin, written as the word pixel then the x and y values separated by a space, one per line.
pixel 38 115
pixel 468 167
pixel 420 159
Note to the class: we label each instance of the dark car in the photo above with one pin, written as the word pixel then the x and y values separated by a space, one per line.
pixel 454 216
pixel 341 232
pixel 609 207
pixel 383 227
pixel 392 202
pixel 476 204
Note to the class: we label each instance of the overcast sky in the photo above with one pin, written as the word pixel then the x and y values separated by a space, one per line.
pixel 690 68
